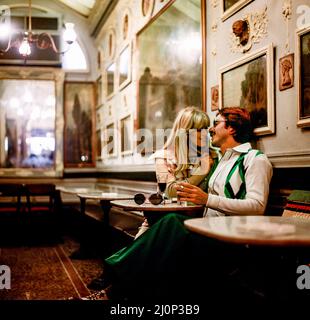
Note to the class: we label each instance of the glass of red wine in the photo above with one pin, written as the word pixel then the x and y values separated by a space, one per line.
pixel 162 183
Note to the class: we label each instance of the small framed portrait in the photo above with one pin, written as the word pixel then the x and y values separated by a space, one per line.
pixel 126 24
pixel 111 43
pixel 98 145
pixel 110 79
pixel 99 59
pixel 109 146
pixel 124 67
pixel 248 83
pixel 98 118
pixel 147 7
pixel 99 92
pixel 214 98
pixel 286 72
pixel 230 7
pixel 126 133
pixel 303 76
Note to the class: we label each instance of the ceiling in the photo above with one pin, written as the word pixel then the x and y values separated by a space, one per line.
pixel 83 7
pixel 96 11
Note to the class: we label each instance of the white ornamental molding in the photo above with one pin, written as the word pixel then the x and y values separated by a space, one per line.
pixel 214 26
pixel 214 3
pixel 256 28
pixel 287 9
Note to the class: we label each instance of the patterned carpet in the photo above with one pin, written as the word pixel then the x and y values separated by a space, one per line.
pixel 46 273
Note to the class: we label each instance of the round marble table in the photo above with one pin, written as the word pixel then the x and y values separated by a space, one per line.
pixel 105 199
pixel 254 230
pixel 154 212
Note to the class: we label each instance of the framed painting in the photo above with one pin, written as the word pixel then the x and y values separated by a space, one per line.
pixel 171 65
pixel 79 131
pixel 31 122
pixel 303 76
pixel 98 118
pixel 126 24
pixel 99 59
pixel 230 7
pixel 147 7
pixel 126 135
pixel 111 43
pixel 99 92
pixel 124 67
pixel 214 98
pixel 98 145
pixel 286 72
pixel 110 80
pixel 109 145
pixel 248 83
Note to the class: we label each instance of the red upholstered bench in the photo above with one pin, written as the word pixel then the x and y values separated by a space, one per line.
pixel 10 197
pixel 298 204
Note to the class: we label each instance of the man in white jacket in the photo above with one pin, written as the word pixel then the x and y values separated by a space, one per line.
pixel 240 183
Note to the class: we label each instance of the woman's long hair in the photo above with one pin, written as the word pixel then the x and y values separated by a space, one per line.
pixel 188 118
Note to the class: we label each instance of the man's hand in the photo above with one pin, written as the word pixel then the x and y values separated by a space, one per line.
pixel 188 192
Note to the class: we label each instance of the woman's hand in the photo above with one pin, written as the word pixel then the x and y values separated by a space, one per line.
pixel 171 166
pixel 188 192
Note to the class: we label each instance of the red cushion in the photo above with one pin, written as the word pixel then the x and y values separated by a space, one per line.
pixel 7 209
pixel 40 209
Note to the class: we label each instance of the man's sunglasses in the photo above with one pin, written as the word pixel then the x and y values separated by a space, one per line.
pixel 155 198
pixel 216 122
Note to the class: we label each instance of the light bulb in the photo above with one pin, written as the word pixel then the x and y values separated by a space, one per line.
pixel 69 34
pixel 24 48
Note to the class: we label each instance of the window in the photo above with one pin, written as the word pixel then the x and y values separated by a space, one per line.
pixel 74 59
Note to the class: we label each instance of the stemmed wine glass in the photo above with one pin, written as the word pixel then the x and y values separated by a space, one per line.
pixel 162 183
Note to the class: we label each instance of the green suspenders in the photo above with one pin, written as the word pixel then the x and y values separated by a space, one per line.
pixel 237 172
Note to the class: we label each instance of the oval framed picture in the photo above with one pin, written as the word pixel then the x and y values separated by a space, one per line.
pixel 111 43
pixel 126 24
pixel 147 7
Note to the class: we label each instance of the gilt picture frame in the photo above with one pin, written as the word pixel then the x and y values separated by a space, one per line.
pixel 79 130
pixel 126 24
pixel 98 145
pixel 230 7
pixel 170 71
pixel 126 134
pixel 99 92
pixel 249 83
pixel 124 67
pixel 147 7
pixel 110 80
pixel 286 72
pixel 214 98
pixel 109 142
pixel 303 76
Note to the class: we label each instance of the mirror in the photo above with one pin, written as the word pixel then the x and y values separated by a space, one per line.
pixel 28 127
pixel 171 64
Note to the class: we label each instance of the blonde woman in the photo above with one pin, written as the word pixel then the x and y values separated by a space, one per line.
pixel 185 155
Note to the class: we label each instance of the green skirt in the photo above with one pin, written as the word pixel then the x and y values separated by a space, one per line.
pixel 149 266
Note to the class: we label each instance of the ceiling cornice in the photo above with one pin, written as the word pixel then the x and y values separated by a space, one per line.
pixel 99 15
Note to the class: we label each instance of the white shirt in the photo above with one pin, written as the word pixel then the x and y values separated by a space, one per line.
pixel 258 173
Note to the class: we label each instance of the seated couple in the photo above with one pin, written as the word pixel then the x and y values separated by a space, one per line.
pixel 167 260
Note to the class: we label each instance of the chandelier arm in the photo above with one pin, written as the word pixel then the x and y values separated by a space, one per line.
pixel 8 46
pixel 52 43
